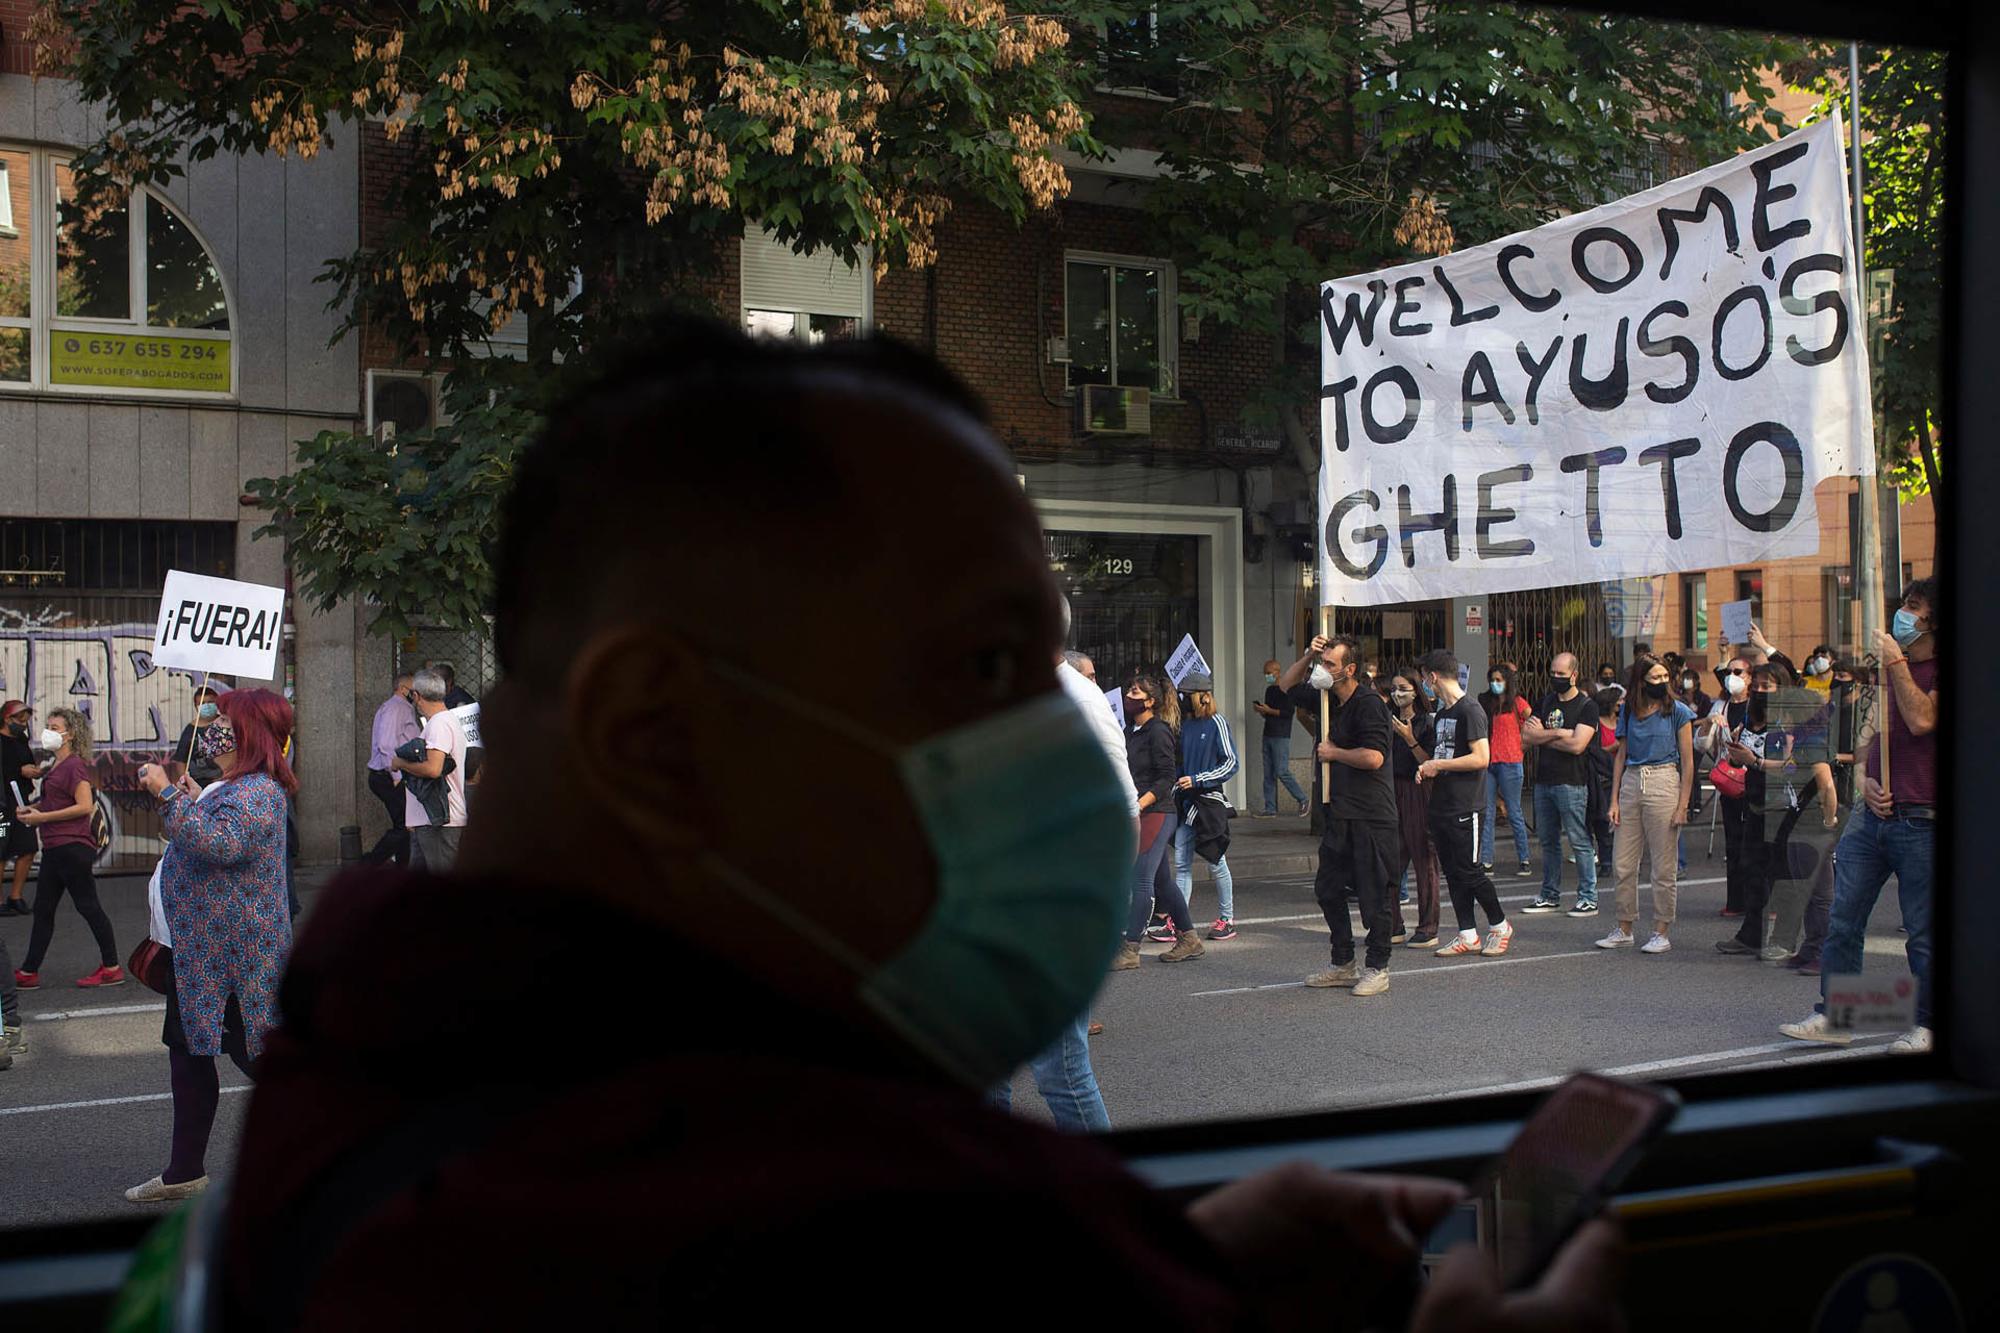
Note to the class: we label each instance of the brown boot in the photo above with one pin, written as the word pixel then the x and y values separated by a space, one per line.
pixel 1128 957
pixel 1188 946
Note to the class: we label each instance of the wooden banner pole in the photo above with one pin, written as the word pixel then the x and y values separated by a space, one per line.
pixel 1325 714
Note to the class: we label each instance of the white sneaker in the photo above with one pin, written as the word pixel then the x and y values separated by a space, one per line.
pixel 1345 974
pixel 1658 944
pixel 1917 1041
pixel 1619 938
pixel 157 1190
pixel 1372 981
pixel 1816 1028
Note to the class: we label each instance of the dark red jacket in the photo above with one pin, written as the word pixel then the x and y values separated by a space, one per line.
pixel 585 1122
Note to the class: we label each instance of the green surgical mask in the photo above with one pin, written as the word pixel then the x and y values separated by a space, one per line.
pixel 1030 830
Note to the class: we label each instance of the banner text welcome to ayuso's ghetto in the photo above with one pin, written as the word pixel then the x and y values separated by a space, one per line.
pixel 1654 385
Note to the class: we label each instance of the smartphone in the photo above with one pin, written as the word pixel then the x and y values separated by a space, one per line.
pixel 1567 1162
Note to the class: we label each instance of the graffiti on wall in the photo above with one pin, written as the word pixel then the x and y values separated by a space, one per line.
pixel 136 711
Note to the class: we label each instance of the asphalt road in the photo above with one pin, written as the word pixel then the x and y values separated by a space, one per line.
pixel 84 1113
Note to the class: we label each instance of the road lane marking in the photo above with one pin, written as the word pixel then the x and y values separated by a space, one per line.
pixel 1320 916
pixel 108 1101
pixel 1429 971
pixel 99 1011
pixel 1800 1051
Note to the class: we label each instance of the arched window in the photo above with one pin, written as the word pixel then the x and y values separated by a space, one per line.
pixel 104 290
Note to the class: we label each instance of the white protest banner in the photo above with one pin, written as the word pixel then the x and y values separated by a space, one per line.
pixel 1736 622
pixel 212 624
pixel 1186 661
pixel 1116 699
pixel 467 716
pixel 1654 385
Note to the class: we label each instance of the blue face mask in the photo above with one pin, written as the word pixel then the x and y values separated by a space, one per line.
pixel 1031 832
pixel 1904 626
pixel 1497 686
pixel 206 712
pixel 1430 690
pixel 1270 679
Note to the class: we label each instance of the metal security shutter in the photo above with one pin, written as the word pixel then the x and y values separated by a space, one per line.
pixel 777 278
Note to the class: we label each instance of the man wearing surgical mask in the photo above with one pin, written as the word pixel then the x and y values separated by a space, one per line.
pixel 1893 830
pixel 188 750
pixel 782 1072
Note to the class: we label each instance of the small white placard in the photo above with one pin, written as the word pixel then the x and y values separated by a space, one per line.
pixel 1875 1002
pixel 1736 622
pixel 1187 660
pixel 467 717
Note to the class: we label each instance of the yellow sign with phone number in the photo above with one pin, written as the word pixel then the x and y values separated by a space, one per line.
pixel 149 361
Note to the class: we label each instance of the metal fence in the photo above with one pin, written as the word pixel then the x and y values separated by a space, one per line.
pixel 1530 628
pixel 78 602
pixel 468 653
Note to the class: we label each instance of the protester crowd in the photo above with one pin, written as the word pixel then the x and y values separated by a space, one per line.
pixel 1614 769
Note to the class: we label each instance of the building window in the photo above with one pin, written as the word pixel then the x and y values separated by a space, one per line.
pixel 1117 315
pixel 1694 611
pixel 115 294
pixel 1750 588
pixel 808 298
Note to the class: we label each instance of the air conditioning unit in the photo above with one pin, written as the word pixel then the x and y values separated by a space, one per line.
pixel 409 400
pixel 1113 409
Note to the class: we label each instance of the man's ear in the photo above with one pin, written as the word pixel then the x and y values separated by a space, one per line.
pixel 629 704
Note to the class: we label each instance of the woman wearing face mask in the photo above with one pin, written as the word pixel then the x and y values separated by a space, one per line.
pixel 1410 707
pixel 1153 755
pixel 219 904
pixel 69 848
pixel 1201 811
pixel 1652 773
pixel 1766 750
pixel 1724 723
pixel 1819 671
pixel 1504 711
pixel 186 750
pixel 18 775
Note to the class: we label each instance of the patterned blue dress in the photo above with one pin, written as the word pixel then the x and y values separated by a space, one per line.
pixel 222 883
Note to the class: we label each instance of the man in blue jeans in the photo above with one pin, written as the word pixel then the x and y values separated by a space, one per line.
pixel 1562 731
pixel 1276 710
pixel 1894 829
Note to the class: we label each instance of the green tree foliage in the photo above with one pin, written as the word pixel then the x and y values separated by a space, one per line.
pixel 1902 191
pixel 573 166
pixel 1305 139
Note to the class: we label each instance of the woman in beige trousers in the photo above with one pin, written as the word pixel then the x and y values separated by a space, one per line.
pixel 1652 777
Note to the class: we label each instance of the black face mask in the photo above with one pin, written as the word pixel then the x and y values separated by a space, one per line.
pixel 1134 707
pixel 1760 707
pixel 1656 689
pixel 1561 682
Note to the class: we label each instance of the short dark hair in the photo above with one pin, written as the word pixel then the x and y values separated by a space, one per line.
pixel 1926 588
pixel 1608 699
pixel 1351 651
pixel 1440 660
pixel 1603 667
pixel 643 432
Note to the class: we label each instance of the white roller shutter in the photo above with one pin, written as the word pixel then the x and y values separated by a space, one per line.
pixel 777 278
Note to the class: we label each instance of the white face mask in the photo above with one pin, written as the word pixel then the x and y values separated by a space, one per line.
pixel 1734 684
pixel 52 740
pixel 1321 678
pixel 1819 666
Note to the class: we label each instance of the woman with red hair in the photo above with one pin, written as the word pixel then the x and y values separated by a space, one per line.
pixel 221 908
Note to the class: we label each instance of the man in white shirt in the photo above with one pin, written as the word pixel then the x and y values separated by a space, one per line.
pixel 434 847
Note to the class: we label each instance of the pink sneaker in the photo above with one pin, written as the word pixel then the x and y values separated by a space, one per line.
pixel 103 976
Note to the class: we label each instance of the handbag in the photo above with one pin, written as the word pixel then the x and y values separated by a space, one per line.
pixel 153 963
pixel 1728 778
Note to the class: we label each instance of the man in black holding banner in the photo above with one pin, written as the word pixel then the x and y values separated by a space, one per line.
pixel 1358 842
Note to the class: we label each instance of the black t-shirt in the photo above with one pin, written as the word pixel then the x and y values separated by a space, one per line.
pixel 1453 731
pixel 1559 768
pixel 1281 725
pixel 14 756
pixel 1362 723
